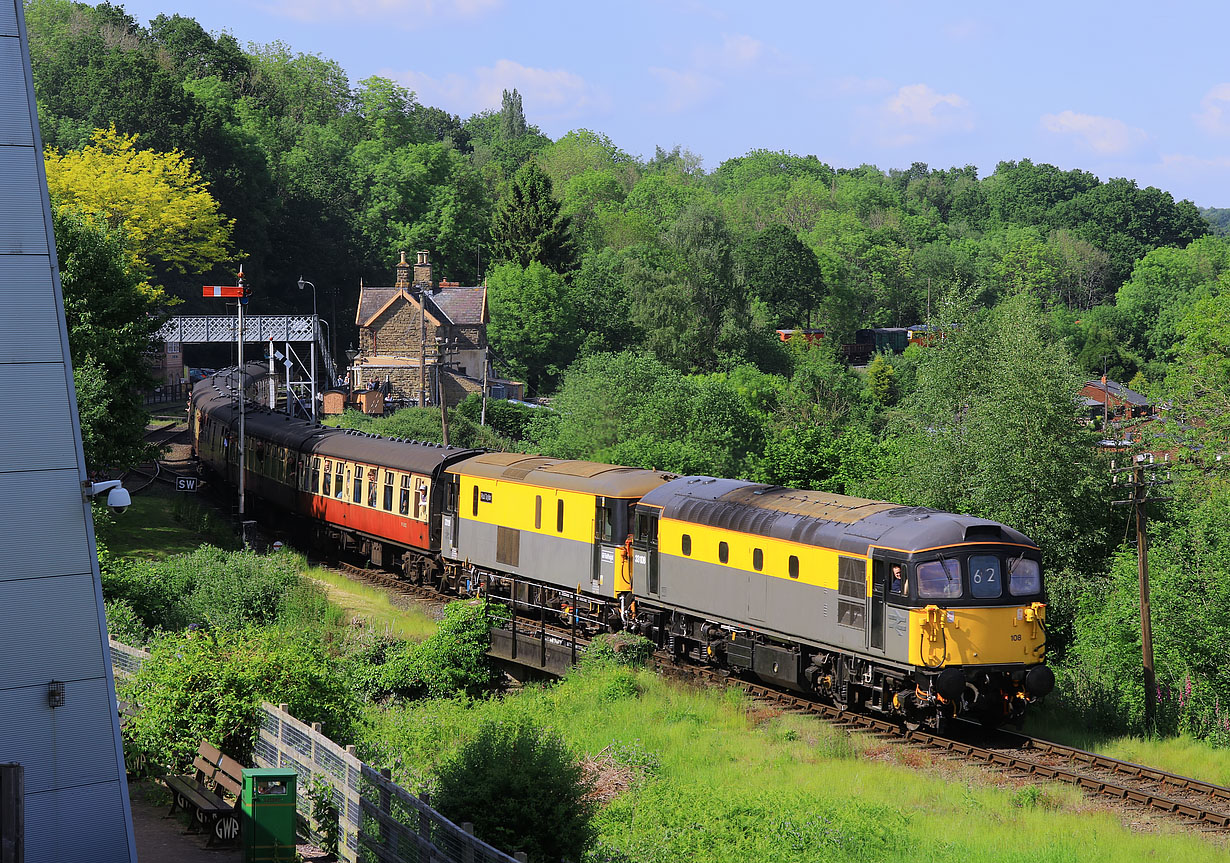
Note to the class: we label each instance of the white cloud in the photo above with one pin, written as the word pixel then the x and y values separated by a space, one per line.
pixel 546 93
pixel 401 13
pixel 915 113
pixel 1103 135
pixel 1214 116
pixel 742 50
pixel 682 89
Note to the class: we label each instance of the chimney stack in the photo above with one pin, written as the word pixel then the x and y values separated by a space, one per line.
pixel 402 272
pixel 422 272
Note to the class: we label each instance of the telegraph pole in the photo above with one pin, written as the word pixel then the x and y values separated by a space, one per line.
pixel 1140 496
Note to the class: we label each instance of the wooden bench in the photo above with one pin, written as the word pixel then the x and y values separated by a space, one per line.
pixel 211 793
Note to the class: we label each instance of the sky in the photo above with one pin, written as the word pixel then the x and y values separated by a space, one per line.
pixel 1124 89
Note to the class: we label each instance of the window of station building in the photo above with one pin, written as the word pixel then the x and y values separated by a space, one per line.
pixel 403 500
pixel 537 512
pixel 985 578
pixel 388 490
pixel 757 559
pixel 340 482
pixel 372 487
pixel 723 552
pixel 686 544
pixel 1024 577
pixel 328 489
pixel 794 566
pixel 559 516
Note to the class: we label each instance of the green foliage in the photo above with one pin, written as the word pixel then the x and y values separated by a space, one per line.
pixel 776 266
pixel 507 419
pixel 533 321
pixel 221 590
pixel 450 663
pixel 527 225
pixel 325 815
pixel 209 684
pixel 620 648
pixel 423 424
pixel 521 788
pixel 111 318
pixel 123 623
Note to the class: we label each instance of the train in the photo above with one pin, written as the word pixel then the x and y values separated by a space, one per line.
pixel 917 614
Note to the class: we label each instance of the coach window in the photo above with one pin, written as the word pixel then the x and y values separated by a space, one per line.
pixel 687 545
pixel 420 498
pixel 723 552
pixel 757 559
pixel 476 501
pixel 559 516
pixel 794 566
pixel 403 500
pixel 340 482
pixel 388 490
pixel 537 512
pixel 372 487
pixel 328 487
pixel 358 484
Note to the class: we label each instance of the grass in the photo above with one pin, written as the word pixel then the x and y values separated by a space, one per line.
pixel 161 523
pixel 373 606
pixel 718 777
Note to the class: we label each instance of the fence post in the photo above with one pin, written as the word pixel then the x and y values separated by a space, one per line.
pixel 12 814
pixel 425 821
pixel 386 806
pixel 521 857
pixel 467 853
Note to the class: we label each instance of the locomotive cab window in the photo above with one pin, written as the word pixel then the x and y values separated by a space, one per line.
pixel 939 579
pixel 1024 577
pixel 606 523
pixel 985 581
pixel 646 530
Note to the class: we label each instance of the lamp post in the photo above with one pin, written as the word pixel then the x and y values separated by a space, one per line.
pixel 315 337
pixel 350 355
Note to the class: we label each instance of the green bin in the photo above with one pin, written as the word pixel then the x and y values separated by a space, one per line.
pixel 268 805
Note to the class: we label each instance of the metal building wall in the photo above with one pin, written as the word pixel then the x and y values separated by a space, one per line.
pixel 51 611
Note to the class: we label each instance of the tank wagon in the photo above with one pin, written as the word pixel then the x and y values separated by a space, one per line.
pixel 916 613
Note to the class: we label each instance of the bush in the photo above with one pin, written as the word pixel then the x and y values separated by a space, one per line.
pixel 522 790
pixel 124 624
pixel 620 648
pixel 216 588
pixel 210 685
pixel 451 662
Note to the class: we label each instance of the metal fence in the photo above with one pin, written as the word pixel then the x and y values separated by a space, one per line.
pixel 378 820
pixel 177 392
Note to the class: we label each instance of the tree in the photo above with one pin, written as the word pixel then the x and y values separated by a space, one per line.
pixel 527 224
pixel 512 118
pixel 159 200
pixel 521 789
pixel 775 265
pixel 112 317
pixel 533 322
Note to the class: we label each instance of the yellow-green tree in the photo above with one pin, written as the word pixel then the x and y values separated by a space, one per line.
pixel 164 207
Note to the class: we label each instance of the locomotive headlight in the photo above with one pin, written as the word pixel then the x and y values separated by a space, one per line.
pixel 1039 681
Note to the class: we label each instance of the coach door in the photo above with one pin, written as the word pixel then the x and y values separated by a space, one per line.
pixel 645 553
pixel 610 531
pixel 879 590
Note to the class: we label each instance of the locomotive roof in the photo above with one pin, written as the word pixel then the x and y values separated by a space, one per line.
pixel 819 518
pixel 584 476
pixel 315 439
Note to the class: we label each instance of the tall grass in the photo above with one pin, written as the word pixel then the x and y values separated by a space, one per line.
pixel 372 607
pixel 716 777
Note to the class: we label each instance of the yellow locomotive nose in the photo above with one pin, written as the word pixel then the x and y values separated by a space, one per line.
pixel 977 636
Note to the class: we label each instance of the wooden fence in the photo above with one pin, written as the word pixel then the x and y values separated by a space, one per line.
pixel 378 821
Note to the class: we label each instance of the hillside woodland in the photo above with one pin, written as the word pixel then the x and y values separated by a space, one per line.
pixel 641 293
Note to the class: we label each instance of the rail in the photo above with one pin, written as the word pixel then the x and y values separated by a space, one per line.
pixel 377 818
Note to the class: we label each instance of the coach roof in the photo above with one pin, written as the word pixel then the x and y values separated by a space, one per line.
pixel 584 476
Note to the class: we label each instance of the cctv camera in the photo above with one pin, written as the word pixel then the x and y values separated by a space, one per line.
pixel 118 500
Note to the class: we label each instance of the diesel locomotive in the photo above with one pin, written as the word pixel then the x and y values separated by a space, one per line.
pixel 915 613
